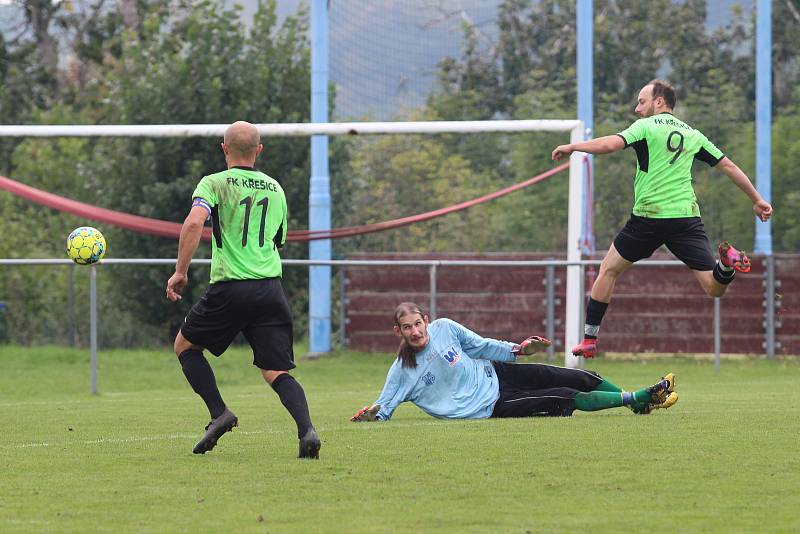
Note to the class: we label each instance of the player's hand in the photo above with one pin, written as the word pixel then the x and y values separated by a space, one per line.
pixel 175 286
pixel 561 152
pixel 763 210
pixel 532 345
pixel 367 413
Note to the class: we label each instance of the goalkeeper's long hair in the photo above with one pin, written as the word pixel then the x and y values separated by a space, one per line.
pixel 406 354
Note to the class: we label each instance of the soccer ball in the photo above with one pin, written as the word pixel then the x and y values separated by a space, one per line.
pixel 86 245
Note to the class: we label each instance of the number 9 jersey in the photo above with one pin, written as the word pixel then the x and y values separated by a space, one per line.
pixel 665 149
pixel 248 215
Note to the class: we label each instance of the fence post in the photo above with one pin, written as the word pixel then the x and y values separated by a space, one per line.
pixel 342 307
pixel 71 320
pixel 581 311
pixel 717 336
pixel 93 325
pixel 769 305
pixel 432 305
pixel 550 309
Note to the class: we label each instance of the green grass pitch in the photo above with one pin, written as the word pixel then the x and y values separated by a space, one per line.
pixel 724 459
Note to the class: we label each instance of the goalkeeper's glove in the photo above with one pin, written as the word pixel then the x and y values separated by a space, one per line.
pixel 532 345
pixel 367 413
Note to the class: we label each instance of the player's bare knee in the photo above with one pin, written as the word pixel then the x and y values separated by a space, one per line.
pixel 270 376
pixel 182 344
pixel 609 271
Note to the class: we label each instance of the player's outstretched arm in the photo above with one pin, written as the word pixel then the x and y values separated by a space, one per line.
pixel 367 413
pixel 761 207
pixel 601 145
pixel 532 345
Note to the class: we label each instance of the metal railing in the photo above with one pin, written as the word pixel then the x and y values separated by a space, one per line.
pixel 432 265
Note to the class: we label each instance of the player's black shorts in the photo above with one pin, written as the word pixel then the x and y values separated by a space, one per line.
pixel 256 308
pixel 537 389
pixel 685 237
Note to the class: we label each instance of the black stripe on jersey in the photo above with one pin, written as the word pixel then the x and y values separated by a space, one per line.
pixel 642 154
pixel 278 237
pixel 215 227
pixel 623 140
pixel 705 156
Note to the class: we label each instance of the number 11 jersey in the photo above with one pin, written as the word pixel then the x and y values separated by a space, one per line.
pixel 248 215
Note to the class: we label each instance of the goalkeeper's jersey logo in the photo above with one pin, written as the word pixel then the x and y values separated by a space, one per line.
pixel 452 357
pixel 428 378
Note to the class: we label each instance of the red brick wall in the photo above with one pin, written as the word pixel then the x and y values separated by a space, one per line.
pixel 654 309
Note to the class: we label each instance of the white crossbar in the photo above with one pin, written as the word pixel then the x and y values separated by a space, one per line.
pixel 291 129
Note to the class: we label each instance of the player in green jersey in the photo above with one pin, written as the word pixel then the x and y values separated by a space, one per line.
pixel 665 210
pixel 248 213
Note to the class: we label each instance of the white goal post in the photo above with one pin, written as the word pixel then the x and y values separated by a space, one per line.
pixel 574 304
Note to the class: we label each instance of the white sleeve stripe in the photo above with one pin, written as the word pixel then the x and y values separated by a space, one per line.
pixel 202 203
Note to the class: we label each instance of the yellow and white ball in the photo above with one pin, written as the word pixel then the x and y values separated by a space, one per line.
pixel 86 245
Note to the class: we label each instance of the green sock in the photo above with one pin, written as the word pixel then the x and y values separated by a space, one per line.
pixel 598 400
pixel 641 396
pixel 605 385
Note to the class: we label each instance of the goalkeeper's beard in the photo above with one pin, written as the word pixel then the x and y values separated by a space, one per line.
pixel 417 344
pixel 408 353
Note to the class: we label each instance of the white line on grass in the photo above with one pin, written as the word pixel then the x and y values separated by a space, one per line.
pixel 86 401
pixel 173 437
pixel 132 397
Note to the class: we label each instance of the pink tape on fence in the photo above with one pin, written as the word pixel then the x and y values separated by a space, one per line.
pixel 158 227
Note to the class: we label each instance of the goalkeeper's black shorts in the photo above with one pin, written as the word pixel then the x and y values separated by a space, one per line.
pixel 256 308
pixel 537 389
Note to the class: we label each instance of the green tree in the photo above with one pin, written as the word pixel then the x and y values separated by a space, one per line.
pixel 785 180
pixel 533 67
pixel 186 62
pixel 201 65
pixel 398 176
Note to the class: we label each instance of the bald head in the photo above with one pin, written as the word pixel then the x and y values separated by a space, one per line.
pixel 242 142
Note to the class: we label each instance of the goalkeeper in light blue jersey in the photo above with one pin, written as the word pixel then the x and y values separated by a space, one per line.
pixel 450 372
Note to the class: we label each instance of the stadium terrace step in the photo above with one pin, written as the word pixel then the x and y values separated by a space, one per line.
pixel 685 343
pixel 660 283
pixel 509 320
pixel 449 279
pixel 697 304
pixel 450 301
pixel 666 323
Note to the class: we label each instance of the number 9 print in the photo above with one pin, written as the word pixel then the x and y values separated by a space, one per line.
pixel 677 149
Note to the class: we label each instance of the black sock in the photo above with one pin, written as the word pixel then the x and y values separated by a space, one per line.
pixel 201 377
pixel 723 276
pixel 294 399
pixel 595 311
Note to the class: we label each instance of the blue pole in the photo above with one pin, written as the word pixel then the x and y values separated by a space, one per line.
pixel 585 27
pixel 319 198
pixel 763 242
